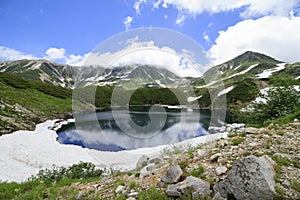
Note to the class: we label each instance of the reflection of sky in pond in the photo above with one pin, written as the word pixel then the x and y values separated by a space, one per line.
pixel 111 138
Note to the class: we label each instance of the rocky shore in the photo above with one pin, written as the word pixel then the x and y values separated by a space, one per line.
pixel 252 164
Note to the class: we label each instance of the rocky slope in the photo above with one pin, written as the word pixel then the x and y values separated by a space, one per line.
pixel 264 162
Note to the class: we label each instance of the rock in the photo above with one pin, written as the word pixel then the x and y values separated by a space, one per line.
pixel 249 178
pixel 295 124
pixel 155 160
pixel 223 143
pixel 133 194
pixel 221 170
pixel 172 175
pixel 215 157
pixel 120 189
pixel 143 160
pixel 282 155
pixel 222 160
pixel 218 197
pixel 174 191
pixel 130 198
pixel 161 184
pixel 196 186
pixel 251 130
pixel 263 131
pixel 2 107
pixel 145 171
pixel 79 196
pixel 200 154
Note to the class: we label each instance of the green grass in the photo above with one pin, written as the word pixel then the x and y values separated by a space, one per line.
pixel 237 141
pixel 281 133
pixel 281 161
pixel 198 172
pixel 49 184
pixel 38 100
pixel 295 185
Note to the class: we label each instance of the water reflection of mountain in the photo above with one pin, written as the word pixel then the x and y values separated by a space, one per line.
pixel 106 135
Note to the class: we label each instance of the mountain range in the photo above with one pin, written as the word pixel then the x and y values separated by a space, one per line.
pixel 253 64
pixel 32 91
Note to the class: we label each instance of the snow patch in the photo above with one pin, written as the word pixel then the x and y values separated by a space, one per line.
pixel 267 73
pixel 191 99
pixel 24 153
pixel 225 91
pixel 237 74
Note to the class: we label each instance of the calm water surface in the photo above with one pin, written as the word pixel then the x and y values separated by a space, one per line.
pixel 105 133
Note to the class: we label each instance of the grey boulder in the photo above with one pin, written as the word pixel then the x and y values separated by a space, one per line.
pixel 249 178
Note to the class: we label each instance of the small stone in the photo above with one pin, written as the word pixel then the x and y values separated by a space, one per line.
pixel 222 160
pixel 196 186
pixel 221 170
pixel 155 160
pixel 79 196
pixel 251 130
pixel 172 175
pixel 218 197
pixel 161 184
pixel 133 194
pixel 143 160
pixel 282 155
pixel 223 143
pixel 295 125
pixel 145 171
pixel 174 191
pixel 263 131
pixel 286 183
pixel 120 189
pixel 200 154
pixel 130 198
pixel 215 157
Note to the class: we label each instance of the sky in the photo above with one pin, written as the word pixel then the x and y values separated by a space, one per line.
pixel 66 31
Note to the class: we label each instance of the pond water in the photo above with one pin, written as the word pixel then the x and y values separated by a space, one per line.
pixel 105 130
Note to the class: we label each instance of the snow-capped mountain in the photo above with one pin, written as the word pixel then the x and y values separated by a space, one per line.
pixel 69 76
pixel 42 70
pixel 250 64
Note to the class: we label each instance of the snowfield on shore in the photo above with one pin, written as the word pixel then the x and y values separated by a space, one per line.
pixel 24 153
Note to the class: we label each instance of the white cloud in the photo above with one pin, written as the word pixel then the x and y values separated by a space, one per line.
pixel 180 19
pixel 273 35
pixel 147 53
pixel 249 8
pixel 127 22
pixel 12 54
pixel 55 54
pixel 206 37
pixel 137 5
pixel 74 60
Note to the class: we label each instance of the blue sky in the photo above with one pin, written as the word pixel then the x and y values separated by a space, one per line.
pixel 66 30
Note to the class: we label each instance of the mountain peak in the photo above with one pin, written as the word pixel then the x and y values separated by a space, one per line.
pixel 250 56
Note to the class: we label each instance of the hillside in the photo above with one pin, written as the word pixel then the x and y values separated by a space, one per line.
pixel 24 103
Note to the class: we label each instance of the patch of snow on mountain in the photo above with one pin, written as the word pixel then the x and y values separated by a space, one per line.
pixel 191 99
pixel 267 73
pixel 237 74
pixel 225 91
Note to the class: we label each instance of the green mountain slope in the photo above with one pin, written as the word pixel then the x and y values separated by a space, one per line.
pixel 23 103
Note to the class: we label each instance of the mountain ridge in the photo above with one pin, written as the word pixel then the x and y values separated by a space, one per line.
pixel 69 76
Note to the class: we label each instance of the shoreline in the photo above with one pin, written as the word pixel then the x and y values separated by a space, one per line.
pixel 24 153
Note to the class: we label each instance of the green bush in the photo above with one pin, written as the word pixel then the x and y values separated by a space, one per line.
pixel 280 102
pixel 81 170
pixel 237 141
pixel 244 91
